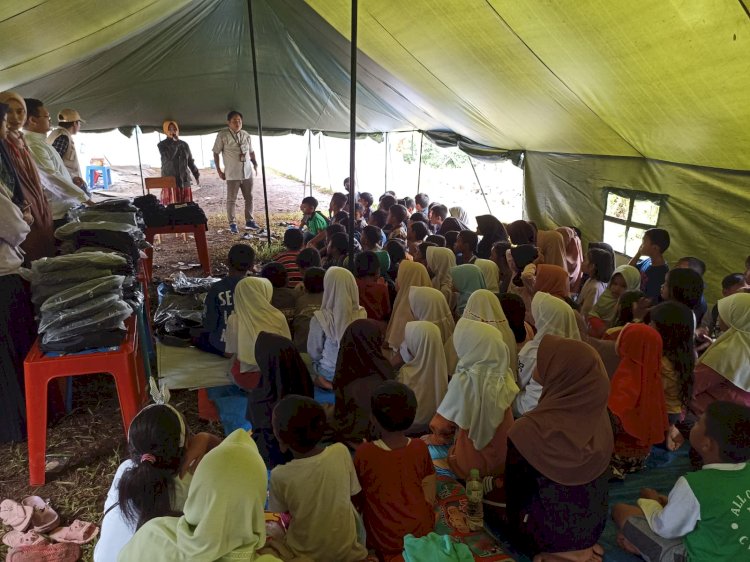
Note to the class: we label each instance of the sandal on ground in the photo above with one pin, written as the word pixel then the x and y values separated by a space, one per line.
pixel 15 515
pixel 16 539
pixel 79 532
pixel 44 518
pixel 61 552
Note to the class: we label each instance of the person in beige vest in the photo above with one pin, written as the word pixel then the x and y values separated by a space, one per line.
pixel 61 139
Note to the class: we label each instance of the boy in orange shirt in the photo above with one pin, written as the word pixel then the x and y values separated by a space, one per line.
pixel 396 475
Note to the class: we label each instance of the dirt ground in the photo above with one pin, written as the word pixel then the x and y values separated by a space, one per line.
pixel 88 444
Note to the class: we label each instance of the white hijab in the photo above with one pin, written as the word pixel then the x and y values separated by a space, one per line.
pixel 491 274
pixel 729 355
pixel 460 214
pixel 340 303
pixel 553 316
pixel 440 261
pixel 428 304
pixel 255 314
pixel 425 371
pixel 483 387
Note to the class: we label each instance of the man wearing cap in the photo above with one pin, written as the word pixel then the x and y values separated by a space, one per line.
pixel 59 189
pixel 61 139
pixel 239 162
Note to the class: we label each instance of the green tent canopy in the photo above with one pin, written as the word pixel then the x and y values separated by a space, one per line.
pixel 643 97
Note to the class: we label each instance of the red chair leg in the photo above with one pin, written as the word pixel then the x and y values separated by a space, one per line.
pixel 202 246
pixel 36 421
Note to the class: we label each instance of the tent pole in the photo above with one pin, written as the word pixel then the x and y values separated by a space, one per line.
pixel 309 151
pixel 479 184
pixel 419 170
pixel 304 181
pixel 140 166
pixel 385 179
pixel 352 130
pixel 260 124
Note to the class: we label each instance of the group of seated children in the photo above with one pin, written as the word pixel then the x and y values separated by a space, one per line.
pixel 599 362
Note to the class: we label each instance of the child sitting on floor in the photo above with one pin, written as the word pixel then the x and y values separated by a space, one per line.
pixel 308 302
pixel 337 250
pixel 293 242
pixel 219 303
pixel 154 480
pixel 366 200
pixel 316 487
pixel 373 291
pixel 313 221
pixel 705 517
pixel 284 298
pixel 653 268
pixel 307 258
pixel 396 475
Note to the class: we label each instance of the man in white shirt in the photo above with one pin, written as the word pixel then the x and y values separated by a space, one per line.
pixel 239 164
pixel 69 123
pixel 59 189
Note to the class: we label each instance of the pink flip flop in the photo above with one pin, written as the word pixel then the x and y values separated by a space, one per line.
pixel 16 539
pixel 44 518
pixel 63 552
pixel 15 515
pixel 79 532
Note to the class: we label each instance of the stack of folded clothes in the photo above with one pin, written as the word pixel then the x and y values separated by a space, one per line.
pixel 80 300
pixel 120 237
pixel 153 212
pixel 179 316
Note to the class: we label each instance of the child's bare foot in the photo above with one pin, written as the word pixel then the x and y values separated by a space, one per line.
pixel 675 439
pixel 626 545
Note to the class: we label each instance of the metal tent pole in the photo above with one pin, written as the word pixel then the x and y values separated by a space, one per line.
pixel 309 151
pixel 304 181
pixel 385 179
pixel 480 185
pixel 419 170
pixel 257 109
pixel 140 166
pixel 352 130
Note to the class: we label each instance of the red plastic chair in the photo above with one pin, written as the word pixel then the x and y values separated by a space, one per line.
pixel 124 364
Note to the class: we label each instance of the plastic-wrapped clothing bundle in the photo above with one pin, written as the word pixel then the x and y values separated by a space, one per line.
pixel 83 292
pixel 186 213
pixel 64 263
pixel 123 238
pixel 109 319
pixel 64 318
pixel 115 205
pixel 185 285
pixel 154 213
pixel 74 344
pixel 127 269
pixel 123 217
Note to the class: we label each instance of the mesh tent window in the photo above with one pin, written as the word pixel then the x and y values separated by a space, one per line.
pixel 627 215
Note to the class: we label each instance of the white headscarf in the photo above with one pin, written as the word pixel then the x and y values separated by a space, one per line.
pixel 460 214
pixel 483 387
pixel 552 316
pixel 440 261
pixel 223 517
pixel 491 274
pixel 254 314
pixel 410 274
pixel 428 304
pixel 729 355
pixel 340 303
pixel 484 307
pixel 425 371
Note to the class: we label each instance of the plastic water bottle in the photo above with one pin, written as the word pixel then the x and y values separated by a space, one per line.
pixel 474 493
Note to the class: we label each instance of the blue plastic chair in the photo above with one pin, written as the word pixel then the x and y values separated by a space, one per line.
pixel 104 172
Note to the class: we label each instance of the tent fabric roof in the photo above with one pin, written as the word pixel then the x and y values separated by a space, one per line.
pixel 665 80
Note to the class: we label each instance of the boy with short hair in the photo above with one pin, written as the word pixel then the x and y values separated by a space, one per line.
pixel 653 268
pixel 416 233
pixel 373 291
pixel 731 284
pixel 337 204
pixel 309 301
pixel 337 250
pixel 219 303
pixel 421 202
pixel 366 200
pixel 372 238
pixel 438 213
pixel 705 517
pixel 313 221
pixel 316 487
pixel 466 245
pixel 408 202
pixel 396 474
pixel 284 298
pixel 397 216
pixel 293 241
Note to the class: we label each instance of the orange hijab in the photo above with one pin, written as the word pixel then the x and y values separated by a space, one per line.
pixel 552 279
pixel 637 394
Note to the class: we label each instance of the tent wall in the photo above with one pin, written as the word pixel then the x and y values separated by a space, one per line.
pixel 707 211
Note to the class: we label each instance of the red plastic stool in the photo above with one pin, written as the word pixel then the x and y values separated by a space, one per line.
pixel 124 364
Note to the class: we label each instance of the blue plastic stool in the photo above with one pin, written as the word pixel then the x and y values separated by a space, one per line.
pixel 106 175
